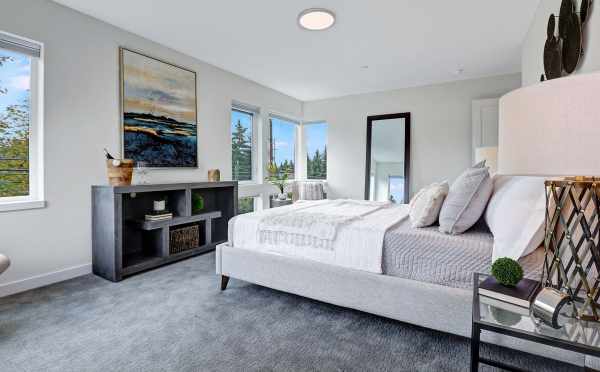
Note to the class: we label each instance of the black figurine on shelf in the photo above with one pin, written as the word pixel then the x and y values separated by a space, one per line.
pixel 108 155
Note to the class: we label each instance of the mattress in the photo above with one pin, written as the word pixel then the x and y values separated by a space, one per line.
pixel 430 256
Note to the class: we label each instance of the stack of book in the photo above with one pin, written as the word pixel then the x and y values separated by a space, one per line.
pixel 494 293
pixel 159 216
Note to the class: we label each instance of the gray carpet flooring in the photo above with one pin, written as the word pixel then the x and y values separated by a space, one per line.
pixel 176 319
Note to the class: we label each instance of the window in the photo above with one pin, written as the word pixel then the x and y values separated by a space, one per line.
pixel 242 144
pixel 282 145
pixel 396 189
pixel 247 204
pixel 315 137
pixel 20 126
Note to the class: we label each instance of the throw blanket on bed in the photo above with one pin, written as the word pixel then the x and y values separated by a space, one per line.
pixel 356 241
pixel 313 224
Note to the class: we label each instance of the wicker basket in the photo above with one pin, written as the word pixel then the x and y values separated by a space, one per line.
pixel 184 239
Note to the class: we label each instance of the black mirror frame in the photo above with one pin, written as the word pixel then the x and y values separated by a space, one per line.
pixel 370 120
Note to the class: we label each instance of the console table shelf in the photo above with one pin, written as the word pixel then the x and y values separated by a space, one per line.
pixel 124 243
pixel 153 225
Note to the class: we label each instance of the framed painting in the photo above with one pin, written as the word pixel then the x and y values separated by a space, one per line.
pixel 158 112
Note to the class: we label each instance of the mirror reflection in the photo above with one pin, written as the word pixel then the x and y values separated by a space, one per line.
pixel 388 142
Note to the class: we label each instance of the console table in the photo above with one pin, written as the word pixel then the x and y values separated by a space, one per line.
pixel 124 243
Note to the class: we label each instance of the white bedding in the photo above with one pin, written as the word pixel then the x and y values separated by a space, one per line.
pixel 357 242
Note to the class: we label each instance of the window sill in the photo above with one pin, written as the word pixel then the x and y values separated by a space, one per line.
pixel 248 183
pixel 8 206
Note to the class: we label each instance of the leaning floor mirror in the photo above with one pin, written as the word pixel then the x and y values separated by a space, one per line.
pixel 388 158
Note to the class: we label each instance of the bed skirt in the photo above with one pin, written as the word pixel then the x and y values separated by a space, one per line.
pixel 427 305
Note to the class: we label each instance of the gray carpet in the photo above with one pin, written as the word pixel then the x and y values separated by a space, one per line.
pixel 175 319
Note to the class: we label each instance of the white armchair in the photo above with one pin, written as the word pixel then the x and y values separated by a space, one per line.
pixel 308 190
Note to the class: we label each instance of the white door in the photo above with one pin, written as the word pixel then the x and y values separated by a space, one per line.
pixel 485 124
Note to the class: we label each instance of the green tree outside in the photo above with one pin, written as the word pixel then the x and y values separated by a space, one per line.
pixel 245 205
pixel 241 151
pixel 14 146
pixel 317 165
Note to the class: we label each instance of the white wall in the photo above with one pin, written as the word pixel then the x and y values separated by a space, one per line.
pixel 440 130
pixel 82 117
pixel 533 46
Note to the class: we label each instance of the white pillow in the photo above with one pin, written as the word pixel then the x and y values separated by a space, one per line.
pixel 466 201
pixel 515 215
pixel 425 206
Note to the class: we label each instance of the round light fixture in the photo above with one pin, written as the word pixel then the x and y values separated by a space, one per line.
pixel 316 19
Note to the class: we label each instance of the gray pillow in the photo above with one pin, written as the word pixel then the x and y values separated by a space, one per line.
pixel 466 201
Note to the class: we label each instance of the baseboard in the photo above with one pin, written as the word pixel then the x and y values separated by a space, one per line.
pixel 43 280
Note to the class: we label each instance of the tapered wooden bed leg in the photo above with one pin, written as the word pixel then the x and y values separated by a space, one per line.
pixel 224 281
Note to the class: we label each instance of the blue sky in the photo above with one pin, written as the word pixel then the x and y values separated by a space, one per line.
pixel 316 137
pixel 284 138
pixel 14 76
pixel 397 188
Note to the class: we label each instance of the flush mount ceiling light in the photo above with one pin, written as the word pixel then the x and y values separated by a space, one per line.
pixel 316 19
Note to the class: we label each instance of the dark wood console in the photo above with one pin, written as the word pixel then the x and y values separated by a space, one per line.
pixel 124 243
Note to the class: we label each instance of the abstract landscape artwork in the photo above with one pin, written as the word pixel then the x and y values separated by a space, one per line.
pixel 159 112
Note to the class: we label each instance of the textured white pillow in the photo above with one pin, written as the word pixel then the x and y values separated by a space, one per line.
pixel 466 201
pixel 425 206
pixel 515 215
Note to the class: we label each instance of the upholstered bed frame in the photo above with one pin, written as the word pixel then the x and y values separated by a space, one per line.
pixel 428 305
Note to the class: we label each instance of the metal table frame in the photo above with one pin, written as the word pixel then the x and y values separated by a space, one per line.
pixel 479 325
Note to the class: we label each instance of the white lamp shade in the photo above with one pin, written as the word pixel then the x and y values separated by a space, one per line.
pixel 490 155
pixel 552 128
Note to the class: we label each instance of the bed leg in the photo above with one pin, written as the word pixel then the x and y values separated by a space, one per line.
pixel 224 282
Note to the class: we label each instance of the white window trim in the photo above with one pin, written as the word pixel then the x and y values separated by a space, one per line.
pixel 297 147
pixel 304 153
pixel 257 200
pixel 36 197
pixel 259 188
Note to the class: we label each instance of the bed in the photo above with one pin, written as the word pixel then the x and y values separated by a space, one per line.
pixel 423 277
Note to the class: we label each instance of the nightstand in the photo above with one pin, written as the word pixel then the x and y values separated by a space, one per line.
pixel 511 320
pixel 274 202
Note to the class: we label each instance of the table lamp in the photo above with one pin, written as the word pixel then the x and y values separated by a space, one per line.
pixel 490 155
pixel 553 129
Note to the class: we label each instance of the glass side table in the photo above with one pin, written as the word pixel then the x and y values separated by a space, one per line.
pixel 499 317
pixel 275 203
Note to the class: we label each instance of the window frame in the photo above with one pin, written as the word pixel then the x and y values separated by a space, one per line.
pixel 255 112
pixel 297 148
pixel 304 149
pixel 36 197
pixel 256 202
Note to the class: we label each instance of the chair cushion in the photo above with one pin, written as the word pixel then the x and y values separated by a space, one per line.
pixel 308 190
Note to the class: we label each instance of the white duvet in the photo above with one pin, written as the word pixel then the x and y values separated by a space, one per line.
pixel 339 232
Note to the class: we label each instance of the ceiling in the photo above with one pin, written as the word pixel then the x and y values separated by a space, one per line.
pixel 403 42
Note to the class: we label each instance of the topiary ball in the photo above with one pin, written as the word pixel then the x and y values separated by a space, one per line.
pixel 507 272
